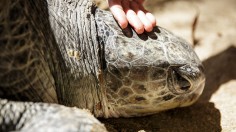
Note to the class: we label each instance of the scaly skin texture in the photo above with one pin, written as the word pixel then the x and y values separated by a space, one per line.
pixel 71 53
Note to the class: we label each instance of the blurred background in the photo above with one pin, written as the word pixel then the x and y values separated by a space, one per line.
pixel 210 27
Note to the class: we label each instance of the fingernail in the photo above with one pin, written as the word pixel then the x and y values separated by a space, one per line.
pixel 139 31
pixel 123 25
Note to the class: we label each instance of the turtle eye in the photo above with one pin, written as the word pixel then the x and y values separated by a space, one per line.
pixel 181 84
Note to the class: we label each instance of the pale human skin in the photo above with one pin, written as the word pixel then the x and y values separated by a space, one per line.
pixel 132 12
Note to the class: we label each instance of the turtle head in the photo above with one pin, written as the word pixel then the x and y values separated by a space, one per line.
pixel 148 73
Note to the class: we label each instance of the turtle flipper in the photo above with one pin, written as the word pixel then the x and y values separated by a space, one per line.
pixel 28 116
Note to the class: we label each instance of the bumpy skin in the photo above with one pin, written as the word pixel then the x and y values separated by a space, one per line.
pixel 147 73
pixel 71 53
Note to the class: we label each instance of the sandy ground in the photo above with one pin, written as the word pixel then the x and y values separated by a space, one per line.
pixel 215 39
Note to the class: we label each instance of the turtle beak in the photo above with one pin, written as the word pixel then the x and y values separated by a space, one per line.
pixel 185 79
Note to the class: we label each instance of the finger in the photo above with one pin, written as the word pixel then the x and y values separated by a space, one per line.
pixel 132 17
pixel 151 18
pixel 118 13
pixel 147 24
pixel 149 15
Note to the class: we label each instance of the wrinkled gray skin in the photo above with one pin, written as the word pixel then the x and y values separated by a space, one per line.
pixel 69 52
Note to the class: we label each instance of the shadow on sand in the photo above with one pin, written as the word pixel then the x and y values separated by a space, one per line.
pixel 202 116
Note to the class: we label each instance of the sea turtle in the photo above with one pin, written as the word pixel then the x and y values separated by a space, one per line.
pixel 69 52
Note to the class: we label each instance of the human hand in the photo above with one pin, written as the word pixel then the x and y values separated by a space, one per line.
pixel 132 12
